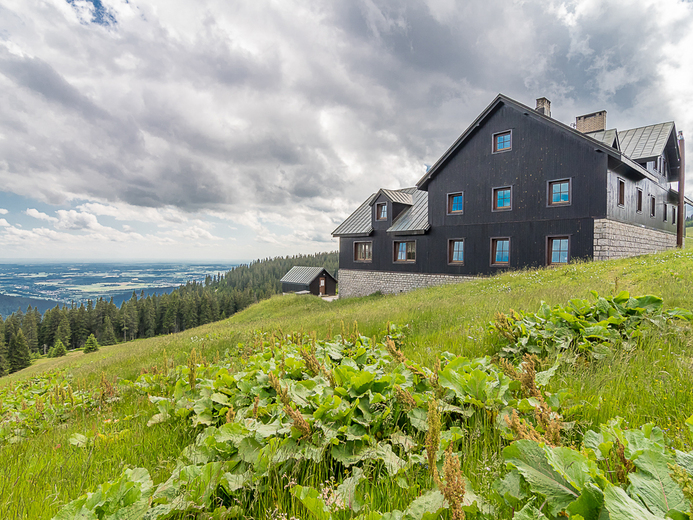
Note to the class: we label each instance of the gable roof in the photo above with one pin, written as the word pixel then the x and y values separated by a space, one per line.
pixel 501 100
pixel 303 275
pixel 646 141
pixel 399 196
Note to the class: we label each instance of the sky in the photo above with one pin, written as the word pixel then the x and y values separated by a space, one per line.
pixel 227 131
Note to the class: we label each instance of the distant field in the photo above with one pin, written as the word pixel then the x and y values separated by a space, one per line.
pixel 650 384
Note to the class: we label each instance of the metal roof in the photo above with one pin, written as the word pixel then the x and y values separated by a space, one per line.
pixel 302 275
pixel 607 137
pixel 359 223
pixel 401 196
pixel 413 220
pixel 646 141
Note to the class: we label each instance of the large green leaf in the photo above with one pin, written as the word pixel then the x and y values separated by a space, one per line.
pixel 623 507
pixel 314 503
pixel 653 485
pixel 590 504
pixel 530 460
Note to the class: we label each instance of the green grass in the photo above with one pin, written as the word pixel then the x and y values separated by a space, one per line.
pixel 652 383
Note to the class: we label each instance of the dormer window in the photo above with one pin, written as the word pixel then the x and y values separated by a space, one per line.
pixel 381 211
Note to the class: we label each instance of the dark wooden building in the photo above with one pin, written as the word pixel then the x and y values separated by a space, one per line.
pixel 315 280
pixel 517 189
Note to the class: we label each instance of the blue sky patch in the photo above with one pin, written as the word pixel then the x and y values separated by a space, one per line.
pixel 100 15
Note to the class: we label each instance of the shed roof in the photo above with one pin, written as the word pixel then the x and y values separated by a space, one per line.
pixel 646 141
pixel 359 223
pixel 413 220
pixel 302 275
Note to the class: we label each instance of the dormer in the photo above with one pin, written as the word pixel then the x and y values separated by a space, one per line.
pixel 655 148
pixel 389 204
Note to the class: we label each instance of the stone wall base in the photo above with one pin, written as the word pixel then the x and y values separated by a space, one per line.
pixel 614 239
pixel 362 283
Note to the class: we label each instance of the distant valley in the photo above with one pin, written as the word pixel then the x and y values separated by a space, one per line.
pixel 47 285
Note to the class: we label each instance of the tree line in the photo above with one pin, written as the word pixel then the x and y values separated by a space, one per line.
pixel 27 335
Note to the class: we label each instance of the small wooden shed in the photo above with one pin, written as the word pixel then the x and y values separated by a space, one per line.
pixel 314 280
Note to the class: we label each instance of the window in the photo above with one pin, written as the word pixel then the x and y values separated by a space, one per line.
pixel 653 206
pixel 559 192
pixel 500 251
pixel 502 199
pixel 639 201
pixel 456 251
pixel 558 250
pixel 381 211
pixel 455 203
pixel 673 215
pixel 363 251
pixel 666 207
pixel 405 251
pixel 502 142
pixel 621 192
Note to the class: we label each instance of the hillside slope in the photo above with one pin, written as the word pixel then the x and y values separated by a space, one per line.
pixel 649 384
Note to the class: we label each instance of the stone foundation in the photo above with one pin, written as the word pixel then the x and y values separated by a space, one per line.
pixel 362 283
pixel 614 239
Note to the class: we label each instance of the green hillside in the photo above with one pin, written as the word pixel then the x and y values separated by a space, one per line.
pixel 73 423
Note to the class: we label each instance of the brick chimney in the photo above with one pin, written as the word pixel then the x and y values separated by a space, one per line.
pixel 594 122
pixel 544 106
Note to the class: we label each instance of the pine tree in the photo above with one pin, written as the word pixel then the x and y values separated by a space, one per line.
pixel 64 331
pixel 107 334
pixel 92 345
pixel 58 349
pixel 30 329
pixel 19 356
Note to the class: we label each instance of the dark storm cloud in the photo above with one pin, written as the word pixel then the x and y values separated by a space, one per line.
pixel 272 108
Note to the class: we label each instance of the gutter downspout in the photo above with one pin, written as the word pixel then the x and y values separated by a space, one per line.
pixel 681 223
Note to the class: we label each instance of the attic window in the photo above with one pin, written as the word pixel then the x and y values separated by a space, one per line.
pixel 502 142
pixel 455 203
pixel 381 211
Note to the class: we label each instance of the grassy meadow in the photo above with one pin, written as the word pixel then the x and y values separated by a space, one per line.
pixel 44 467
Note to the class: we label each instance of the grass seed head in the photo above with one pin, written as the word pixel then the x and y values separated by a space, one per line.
pixel 433 439
pixel 404 398
pixel 256 405
pixel 299 422
pixel 453 488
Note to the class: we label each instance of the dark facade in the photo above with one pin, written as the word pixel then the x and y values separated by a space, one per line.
pixel 315 280
pixel 515 181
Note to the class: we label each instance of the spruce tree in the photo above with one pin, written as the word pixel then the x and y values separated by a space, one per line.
pixel 58 349
pixel 19 352
pixel 107 334
pixel 64 331
pixel 92 345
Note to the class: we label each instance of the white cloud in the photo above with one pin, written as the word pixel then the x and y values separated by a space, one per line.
pixel 33 212
pixel 3 211
pixel 4 223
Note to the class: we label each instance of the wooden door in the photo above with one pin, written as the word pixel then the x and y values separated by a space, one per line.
pixel 322 286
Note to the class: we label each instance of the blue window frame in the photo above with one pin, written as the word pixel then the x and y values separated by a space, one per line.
pixel 502 142
pixel 456 202
pixel 502 198
pixel 456 251
pixel 500 251
pixel 558 250
pixel 559 192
